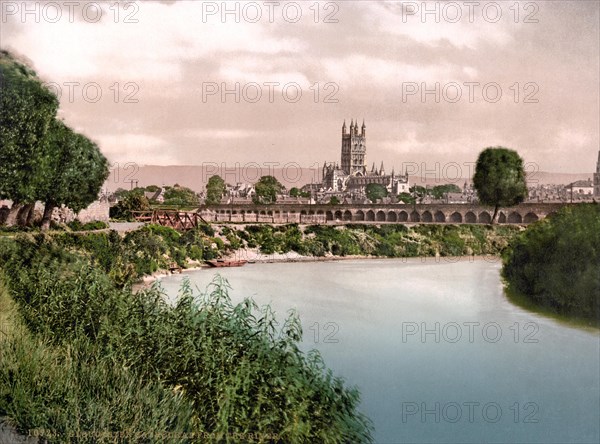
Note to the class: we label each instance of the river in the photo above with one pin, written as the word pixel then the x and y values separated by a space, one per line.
pixel 438 352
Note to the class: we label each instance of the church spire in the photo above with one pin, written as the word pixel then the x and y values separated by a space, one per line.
pixel 382 170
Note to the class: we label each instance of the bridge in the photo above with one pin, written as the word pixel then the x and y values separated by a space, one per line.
pixel 525 213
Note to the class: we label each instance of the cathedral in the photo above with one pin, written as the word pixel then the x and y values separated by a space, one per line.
pixel 351 175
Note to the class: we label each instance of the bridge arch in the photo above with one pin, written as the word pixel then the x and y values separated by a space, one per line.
pixel 329 215
pixel 530 217
pixel 515 218
pixel 380 216
pixel 403 216
pixel 439 216
pixel 485 218
pixel 414 217
pixel 456 217
pixel 426 217
pixel 370 216
pixel 359 216
pixel 501 218
pixel 470 217
pixel 392 216
pixel 338 215
pixel 347 215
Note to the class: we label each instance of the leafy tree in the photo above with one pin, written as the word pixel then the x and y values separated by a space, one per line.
pixel 266 190
pixel 76 170
pixel 295 192
pixel 27 108
pixel 439 191
pixel 407 198
pixel 376 192
pixel 334 200
pixel 152 188
pixel 499 178
pixel 215 190
pixel 133 201
pixel 181 197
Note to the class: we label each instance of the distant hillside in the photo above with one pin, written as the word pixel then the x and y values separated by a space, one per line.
pixel 196 176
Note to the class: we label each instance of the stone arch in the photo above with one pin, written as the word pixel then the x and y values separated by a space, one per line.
pixel 329 215
pixel 303 213
pixel 359 216
pixel 370 215
pixel 311 213
pixel 320 213
pixel 338 215
pixel 392 216
pixel 403 216
pixel 263 213
pixel 426 217
pixel 530 217
pixel 485 218
pixel 439 216
pixel 515 218
pixel 501 218
pixel 414 217
pixel 347 215
pixel 470 218
pixel 380 216
pixel 456 217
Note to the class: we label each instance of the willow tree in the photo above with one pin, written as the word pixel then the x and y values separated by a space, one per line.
pixel 500 178
pixel 27 108
pixel 76 170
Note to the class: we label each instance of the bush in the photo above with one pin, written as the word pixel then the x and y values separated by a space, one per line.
pixel 555 263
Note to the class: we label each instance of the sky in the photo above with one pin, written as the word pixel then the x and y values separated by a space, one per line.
pixel 270 83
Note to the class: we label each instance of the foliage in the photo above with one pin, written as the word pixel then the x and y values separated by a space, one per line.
pixel 407 198
pixel 75 170
pixel 438 191
pixel 499 178
pixel 266 190
pixel 181 197
pixel 376 192
pixel 133 201
pixel 215 190
pixel 334 200
pixel 205 363
pixel 555 263
pixel 297 192
pixel 76 225
pixel 27 108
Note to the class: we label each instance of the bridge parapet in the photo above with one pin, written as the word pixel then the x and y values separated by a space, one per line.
pixel 377 213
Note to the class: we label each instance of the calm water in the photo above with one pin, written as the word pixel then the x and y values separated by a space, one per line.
pixel 439 354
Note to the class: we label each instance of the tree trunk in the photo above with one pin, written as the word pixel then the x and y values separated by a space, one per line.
pixel 11 219
pixel 47 218
pixel 495 216
pixel 23 215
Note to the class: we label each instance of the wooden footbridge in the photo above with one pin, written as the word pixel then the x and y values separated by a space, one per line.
pixel 178 220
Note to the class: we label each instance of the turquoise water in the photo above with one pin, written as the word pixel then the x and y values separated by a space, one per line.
pixel 439 354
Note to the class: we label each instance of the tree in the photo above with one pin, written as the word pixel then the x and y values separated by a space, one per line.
pixel 75 171
pixel 439 191
pixel 499 178
pixel 334 200
pixel 295 192
pixel 215 190
pixel 181 197
pixel 407 198
pixel 376 192
pixel 133 201
pixel 266 190
pixel 27 108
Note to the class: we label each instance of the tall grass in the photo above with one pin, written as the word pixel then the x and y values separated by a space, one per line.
pixel 93 357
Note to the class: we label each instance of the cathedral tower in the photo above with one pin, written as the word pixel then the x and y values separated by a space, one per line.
pixel 354 149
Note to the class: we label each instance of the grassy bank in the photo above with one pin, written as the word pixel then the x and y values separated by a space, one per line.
pixel 87 361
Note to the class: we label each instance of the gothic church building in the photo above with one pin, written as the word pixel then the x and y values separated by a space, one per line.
pixel 351 175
